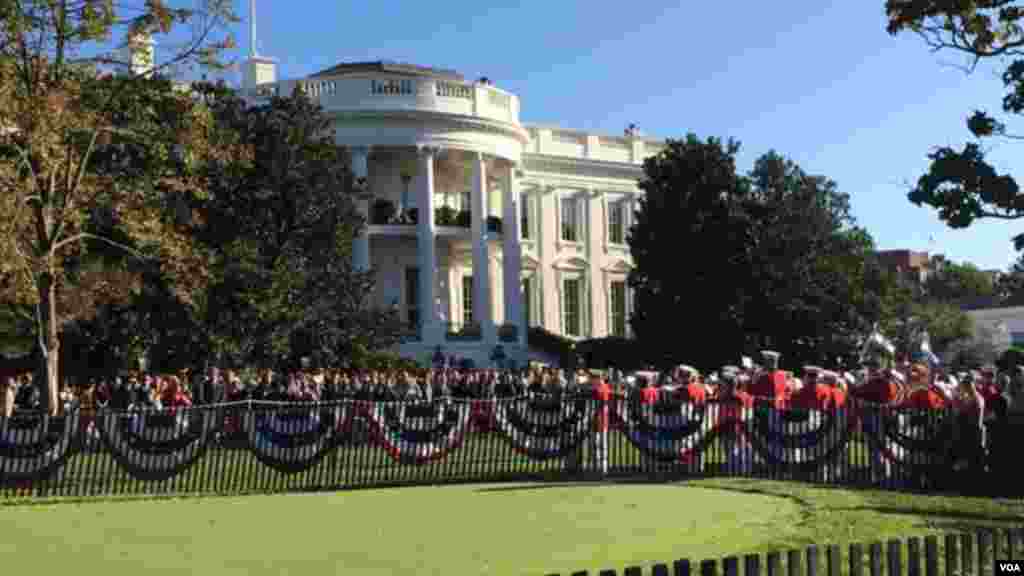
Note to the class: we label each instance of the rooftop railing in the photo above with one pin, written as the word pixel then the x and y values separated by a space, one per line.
pixel 383 92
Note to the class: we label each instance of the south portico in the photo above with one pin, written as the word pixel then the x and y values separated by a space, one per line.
pixel 465 297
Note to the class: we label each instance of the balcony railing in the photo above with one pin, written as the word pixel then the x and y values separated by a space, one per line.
pixel 385 212
pixel 458 331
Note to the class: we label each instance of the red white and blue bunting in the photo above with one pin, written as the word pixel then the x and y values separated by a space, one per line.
pixel 34 446
pixel 906 439
pixel 421 432
pixel 157 445
pixel 668 431
pixel 798 439
pixel 296 437
pixel 545 427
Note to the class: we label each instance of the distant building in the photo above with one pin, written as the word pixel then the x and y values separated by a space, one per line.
pixel 907 264
pixel 1005 326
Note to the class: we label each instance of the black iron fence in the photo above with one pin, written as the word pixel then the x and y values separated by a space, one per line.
pixel 269 447
pixel 987 552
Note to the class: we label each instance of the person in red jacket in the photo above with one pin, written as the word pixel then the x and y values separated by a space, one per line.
pixel 599 447
pixel 922 395
pixel 731 403
pixel 691 389
pixel 814 395
pixel 881 387
pixel 771 383
pixel 836 384
pixel 648 393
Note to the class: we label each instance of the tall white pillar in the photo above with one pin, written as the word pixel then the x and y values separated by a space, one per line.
pixel 361 243
pixel 481 269
pixel 512 253
pixel 425 244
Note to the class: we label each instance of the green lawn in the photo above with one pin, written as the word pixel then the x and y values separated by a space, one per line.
pixel 478 529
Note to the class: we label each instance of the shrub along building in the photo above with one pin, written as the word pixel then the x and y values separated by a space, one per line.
pixel 479 226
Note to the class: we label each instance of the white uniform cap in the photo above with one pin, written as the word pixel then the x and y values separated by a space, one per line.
pixel 771 354
pixel 850 379
pixel 689 369
pixel 899 376
pixel 731 368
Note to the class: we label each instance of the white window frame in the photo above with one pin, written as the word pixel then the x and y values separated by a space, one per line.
pixel 585 299
pixel 625 202
pixel 574 201
pixel 579 306
pixel 625 307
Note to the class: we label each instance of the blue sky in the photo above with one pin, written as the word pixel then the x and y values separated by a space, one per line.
pixel 822 84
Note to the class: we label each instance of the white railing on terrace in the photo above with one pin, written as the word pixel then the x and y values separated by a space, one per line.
pixel 368 93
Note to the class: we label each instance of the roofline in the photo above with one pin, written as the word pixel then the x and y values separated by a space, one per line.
pixel 540 126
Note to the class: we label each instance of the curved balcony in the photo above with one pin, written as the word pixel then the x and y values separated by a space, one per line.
pixel 448 221
pixel 388 92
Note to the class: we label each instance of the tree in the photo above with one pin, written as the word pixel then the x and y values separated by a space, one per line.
pixel 961 184
pixel 278 224
pixel 690 246
pixel 958 283
pixel 814 282
pixel 77 147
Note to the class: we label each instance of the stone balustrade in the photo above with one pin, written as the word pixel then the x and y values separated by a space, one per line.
pixel 577 144
pixel 388 93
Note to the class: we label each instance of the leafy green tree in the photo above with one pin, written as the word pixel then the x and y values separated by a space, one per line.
pixel 961 184
pixel 690 245
pixel 958 283
pixel 76 146
pixel 817 278
pixel 278 223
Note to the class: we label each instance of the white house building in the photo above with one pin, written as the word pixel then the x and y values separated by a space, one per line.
pixel 479 225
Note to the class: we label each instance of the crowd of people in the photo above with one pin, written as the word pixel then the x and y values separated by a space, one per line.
pixel 909 384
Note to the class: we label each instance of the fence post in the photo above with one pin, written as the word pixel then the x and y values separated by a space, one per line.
pixel 834 559
pixel 875 558
pixel 856 560
pixel 812 560
pixel 751 565
pixel 793 563
pixel 895 557
pixel 774 567
pixel 914 557
pixel 730 566
pixel 950 553
pixel 984 538
pixel 931 556
pixel 966 554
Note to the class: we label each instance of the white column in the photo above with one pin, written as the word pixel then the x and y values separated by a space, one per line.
pixel 481 269
pixel 425 244
pixel 361 244
pixel 512 253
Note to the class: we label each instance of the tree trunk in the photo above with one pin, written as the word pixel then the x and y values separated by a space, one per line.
pixel 48 376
